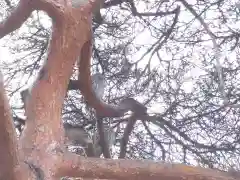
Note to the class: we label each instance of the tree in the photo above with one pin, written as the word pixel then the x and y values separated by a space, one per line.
pixel 41 153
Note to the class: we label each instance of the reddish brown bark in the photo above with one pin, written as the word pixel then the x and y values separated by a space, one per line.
pixel 134 170
pixel 41 154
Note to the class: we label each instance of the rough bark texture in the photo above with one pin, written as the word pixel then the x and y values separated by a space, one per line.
pixel 41 154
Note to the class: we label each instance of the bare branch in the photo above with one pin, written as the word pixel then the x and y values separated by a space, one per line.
pixel 102 138
pixel 124 141
pixel 216 48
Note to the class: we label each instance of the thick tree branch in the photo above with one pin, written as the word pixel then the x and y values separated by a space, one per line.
pixel 85 85
pixel 102 109
pixel 75 166
pixel 44 105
